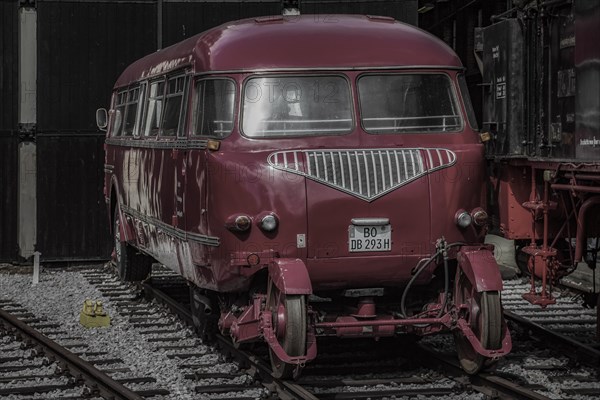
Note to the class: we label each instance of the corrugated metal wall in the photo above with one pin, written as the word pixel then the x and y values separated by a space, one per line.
pixel 72 220
pixel 8 129
pixel 184 19
pixel 82 47
pixel 8 65
pixel 8 196
pixel 405 10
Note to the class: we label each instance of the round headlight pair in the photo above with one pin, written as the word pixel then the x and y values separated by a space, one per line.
pixel 478 216
pixel 268 222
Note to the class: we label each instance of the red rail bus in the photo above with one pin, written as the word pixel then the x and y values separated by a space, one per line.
pixel 309 176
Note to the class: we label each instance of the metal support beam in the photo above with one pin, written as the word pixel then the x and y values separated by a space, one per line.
pixel 159 24
pixel 27 199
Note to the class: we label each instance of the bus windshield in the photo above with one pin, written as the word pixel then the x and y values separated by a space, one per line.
pixel 297 106
pixel 415 103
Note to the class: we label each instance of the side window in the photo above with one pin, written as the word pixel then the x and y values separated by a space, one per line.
pixel 119 113
pixel 154 110
pixel 214 108
pixel 139 110
pixel 173 101
pixel 131 110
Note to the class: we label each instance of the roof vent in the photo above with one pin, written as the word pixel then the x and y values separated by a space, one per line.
pixel 269 19
pixel 381 18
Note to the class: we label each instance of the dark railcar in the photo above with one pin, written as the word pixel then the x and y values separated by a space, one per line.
pixel 541 74
pixel 303 173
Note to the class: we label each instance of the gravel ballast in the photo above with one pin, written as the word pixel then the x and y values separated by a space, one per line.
pixel 59 297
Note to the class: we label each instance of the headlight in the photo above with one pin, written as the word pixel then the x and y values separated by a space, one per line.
pixel 269 223
pixel 238 222
pixel 243 222
pixel 479 216
pixel 463 219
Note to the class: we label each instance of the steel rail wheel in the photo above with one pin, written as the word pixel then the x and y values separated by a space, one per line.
pixel 484 316
pixel 289 325
pixel 131 264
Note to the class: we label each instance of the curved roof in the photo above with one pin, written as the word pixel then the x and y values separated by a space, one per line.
pixel 307 41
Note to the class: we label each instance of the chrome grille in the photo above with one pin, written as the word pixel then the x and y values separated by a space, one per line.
pixel 365 173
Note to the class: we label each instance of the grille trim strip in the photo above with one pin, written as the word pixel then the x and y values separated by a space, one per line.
pixel 364 173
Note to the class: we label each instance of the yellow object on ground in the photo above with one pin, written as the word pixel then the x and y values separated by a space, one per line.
pixel 93 315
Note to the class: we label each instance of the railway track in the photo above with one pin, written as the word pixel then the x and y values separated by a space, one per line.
pixel 554 351
pixel 344 369
pixel 383 371
pixel 341 371
pixel 201 371
pixel 567 324
pixel 328 378
pixel 34 366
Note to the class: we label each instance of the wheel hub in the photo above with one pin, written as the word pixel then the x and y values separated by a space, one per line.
pixel 473 316
pixel 118 240
pixel 279 321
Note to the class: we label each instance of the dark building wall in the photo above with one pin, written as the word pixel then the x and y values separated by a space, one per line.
pixel 9 62
pixel 82 47
pixel 405 11
pixel 8 129
pixel 8 196
pixel 72 220
pixel 184 19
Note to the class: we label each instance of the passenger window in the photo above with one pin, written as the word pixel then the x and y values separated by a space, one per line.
pixel 173 102
pixel 214 107
pixel 131 111
pixel 290 106
pixel 119 113
pixel 408 103
pixel 155 106
pixel 139 110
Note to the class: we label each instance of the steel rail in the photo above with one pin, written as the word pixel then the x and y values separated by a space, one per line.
pixel 77 367
pixel 152 293
pixel 285 390
pixel 583 352
pixel 491 385
pixel 257 366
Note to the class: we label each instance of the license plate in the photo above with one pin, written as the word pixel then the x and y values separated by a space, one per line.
pixel 369 238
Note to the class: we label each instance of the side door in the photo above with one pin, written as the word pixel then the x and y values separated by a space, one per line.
pixel 127 167
pixel 160 159
pixel 178 108
pixel 212 120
